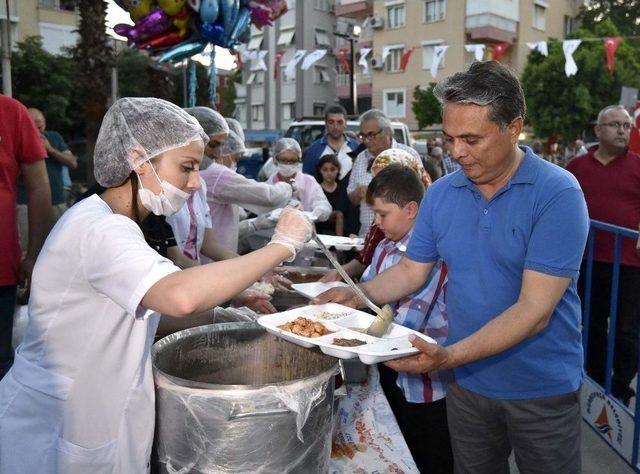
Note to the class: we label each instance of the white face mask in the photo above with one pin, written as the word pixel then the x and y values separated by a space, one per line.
pixel 286 170
pixel 234 167
pixel 168 202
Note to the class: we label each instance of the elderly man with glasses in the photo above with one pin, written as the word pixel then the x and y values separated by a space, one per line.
pixel 609 175
pixel 377 135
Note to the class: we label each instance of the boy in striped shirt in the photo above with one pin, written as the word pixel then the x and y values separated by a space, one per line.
pixel 417 400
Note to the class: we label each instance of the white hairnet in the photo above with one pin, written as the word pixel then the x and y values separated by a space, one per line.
pixel 211 121
pixel 136 129
pixel 232 144
pixel 286 144
pixel 235 127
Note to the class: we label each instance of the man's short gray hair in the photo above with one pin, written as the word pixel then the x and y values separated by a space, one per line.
pixel 486 83
pixel 609 108
pixel 379 116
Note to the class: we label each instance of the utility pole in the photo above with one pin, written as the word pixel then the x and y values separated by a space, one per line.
pixel 6 53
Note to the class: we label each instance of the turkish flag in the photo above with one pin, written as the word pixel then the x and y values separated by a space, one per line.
pixel 610 46
pixel 404 61
pixel 498 50
pixel 276 64
pixel 342 56
pixel 634 140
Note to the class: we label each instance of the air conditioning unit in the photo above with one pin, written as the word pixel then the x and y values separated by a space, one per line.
pixel 377 62
pixel 376 22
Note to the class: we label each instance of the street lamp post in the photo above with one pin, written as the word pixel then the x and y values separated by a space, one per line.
pixel 350 32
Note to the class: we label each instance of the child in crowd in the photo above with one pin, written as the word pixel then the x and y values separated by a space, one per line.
pixel 335 190
pixel 417 400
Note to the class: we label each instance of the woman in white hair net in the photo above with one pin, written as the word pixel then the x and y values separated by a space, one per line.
pixel 287 155
pixel 80 396
pixel 228 191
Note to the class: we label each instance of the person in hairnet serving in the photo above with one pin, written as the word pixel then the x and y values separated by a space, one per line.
pixel 79 397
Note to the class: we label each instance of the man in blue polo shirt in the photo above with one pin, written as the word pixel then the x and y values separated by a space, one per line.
pixel 511 229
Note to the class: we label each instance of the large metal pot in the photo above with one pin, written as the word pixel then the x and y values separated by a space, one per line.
pixel 232 398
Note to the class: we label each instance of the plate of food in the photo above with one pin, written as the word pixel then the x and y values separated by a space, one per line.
pixel 337 242
pixel 313 289
pixel 339 331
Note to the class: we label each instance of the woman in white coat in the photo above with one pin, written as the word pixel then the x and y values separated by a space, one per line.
pixel 79 397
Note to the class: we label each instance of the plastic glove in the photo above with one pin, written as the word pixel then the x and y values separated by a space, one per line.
pixel 263 222
pixel 292 231
pixel 256 300
pixel 279 282
pixel 295 190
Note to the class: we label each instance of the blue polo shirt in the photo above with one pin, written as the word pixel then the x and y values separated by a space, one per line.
pixel 539 222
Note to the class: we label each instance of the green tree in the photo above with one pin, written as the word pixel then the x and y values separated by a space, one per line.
pixel 624 14
pixel 564 106
pixel 45 81
pixel 425 106
pixel 140 76
pixel 227 95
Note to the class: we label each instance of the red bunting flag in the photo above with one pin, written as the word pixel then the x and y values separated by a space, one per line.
pixel 404 61
pixel 342 57
pixel 634 140
pixel 610 46
pixel 238 59
pixel 276 64
pixel 498 50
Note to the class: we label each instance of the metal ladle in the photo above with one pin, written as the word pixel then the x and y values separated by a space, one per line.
pixel 384 316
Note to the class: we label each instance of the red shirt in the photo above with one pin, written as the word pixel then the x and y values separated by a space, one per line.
pixel 612 193
pixel 19 143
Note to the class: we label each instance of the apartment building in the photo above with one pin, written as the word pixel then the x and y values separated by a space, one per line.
pixel 402 24
pixel 266 102
pixel 54 20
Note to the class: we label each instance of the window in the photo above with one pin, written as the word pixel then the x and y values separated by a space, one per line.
pixel 396 16
pixel 394 105
pixel 569 25
pixel 288 111
pixel 257 113
pixel 240 112
pixel 320 75
pixel 427 54
pixel 434 10
pixel 322 38
pixel 286 37
pixel 539 16
pixel 319 108
pixel 392 64
pixel 321 5
pixel 255 42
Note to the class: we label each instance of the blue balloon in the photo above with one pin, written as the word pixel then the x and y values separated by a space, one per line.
pixel 229 9
pixel 242 23
pixel 209 10
pixel 212 32
pixel 183 51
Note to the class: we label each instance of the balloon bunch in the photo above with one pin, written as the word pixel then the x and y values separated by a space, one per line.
pixel 178 29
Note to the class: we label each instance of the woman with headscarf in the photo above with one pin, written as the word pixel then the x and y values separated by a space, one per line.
pixel 80 397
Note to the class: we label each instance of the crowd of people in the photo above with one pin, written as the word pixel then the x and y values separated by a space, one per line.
pixel 479 245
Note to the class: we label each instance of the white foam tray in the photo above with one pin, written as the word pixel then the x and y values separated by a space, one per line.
pixel 337 242
pixel 276 213
pixel 393 345
pixel 315 288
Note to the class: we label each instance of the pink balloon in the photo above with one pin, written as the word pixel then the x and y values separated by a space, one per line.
pixel 153 24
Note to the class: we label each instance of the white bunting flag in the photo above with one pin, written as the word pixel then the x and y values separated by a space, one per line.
pixel 290 68
pixel 248 55
pixel 364 52
pixel 476 49
pixel 312 58
pixel 569 47
pixel 259 64
pixel 539 46
pixel 436 58
pixel 385 52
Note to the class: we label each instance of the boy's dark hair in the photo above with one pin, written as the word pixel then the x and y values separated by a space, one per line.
pixel 397 184
pixel 333 159
pixel 335 109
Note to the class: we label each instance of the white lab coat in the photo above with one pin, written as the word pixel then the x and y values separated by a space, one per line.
pixel 80 397
pixel 180 222
pixel 226 190
pixel 312 196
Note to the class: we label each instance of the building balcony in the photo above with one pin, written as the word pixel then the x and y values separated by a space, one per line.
pixel 343 86
pixel 490 27
pixel 354 9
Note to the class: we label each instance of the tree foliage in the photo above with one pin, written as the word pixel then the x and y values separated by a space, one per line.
pixel 425 106
pixel 564 106
pixel 624 14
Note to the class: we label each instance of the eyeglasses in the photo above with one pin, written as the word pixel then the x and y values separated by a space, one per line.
pixel 617 125
pixel 370 135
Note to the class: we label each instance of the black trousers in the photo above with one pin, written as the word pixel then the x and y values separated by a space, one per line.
pixel 7 308
pixel 625 357
pixel 423 425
